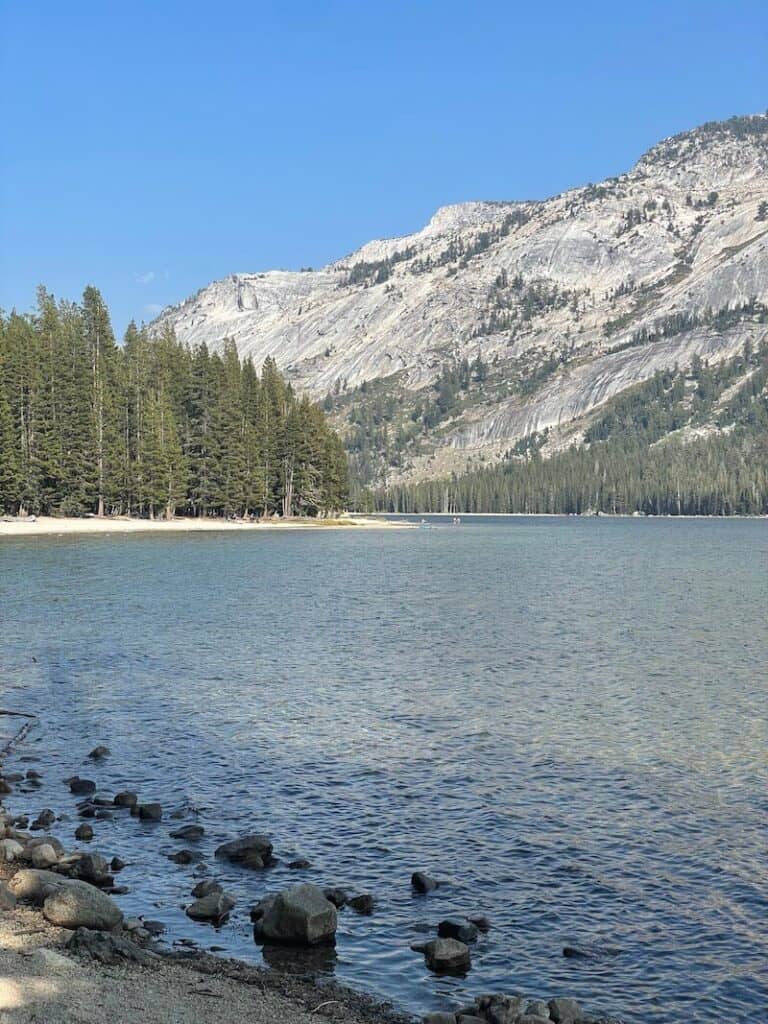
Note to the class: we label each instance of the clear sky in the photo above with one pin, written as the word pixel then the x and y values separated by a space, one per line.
pixel 151 146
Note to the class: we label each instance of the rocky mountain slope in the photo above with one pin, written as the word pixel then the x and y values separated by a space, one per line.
pixel 503 319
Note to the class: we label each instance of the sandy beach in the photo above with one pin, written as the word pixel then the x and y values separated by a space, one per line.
pixel 42 526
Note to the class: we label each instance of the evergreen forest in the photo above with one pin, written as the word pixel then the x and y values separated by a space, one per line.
pixel 152 428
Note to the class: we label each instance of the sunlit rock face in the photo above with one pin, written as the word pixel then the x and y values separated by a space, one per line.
pixel 580 274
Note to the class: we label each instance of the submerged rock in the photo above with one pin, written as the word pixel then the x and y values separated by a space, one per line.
pixel 126 798
pixel 150 812
pixel 362 904
pixel 254 851
pixel 447 956
pixel 299 916
pixel 81 787
pixel 338 897
pixel 422 882
pixel 299 864
pixel 213 907
pixel 84 833
pixel 189 833
pixel 99 752
pixel 457 928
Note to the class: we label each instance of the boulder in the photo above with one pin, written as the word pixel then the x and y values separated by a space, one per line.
pixel 116 864
pixel 44 820
pixel 81 905
pixel 81 787
pixel 33 885
pixel 43 856
pixel 440 1018
pixel 457 928
pixel 10 850
pixel 206 888
pixel 300 916
pixel 189 833
pixel 253 851
pixel 564 1010
pixel 87 867
pixel 150 812
pixel 213 907
pixel 184 857
pixel 99 752
pixel 7 899
pixel 500 1009
pixel 480 921
pixel 537 1008
pixel 470 1018
pixel 447 956
pixel 126 799
pixel 84 833
pixel 423 883
pixel 45 841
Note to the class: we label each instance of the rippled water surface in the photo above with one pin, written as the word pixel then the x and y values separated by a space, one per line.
pixel 564 720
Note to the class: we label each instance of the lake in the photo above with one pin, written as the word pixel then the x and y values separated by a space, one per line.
pixel 564 720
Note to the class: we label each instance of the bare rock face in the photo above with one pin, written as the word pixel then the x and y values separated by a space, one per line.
pixel 80 905
pixel 572 278
pixel 300 916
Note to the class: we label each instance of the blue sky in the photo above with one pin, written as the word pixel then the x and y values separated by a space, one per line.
pixel 150 147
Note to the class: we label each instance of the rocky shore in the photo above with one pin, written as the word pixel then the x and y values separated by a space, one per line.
pixel 68 952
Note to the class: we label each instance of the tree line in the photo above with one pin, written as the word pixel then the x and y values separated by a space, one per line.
pixel 634 459
pixel 152 428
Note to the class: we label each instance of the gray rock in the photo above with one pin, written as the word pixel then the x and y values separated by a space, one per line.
pixel 150 812
pixel 10 850
pixel 213 907
pixel 104 815
pixel 153 928
pixel 440 1018
pixel 457 928
pixel 250 851
pixel 537 1008
pixel 363 904
pixel 87 867
pixel 469 1018
pixel 299 864
pixel 338 897
pixel 184 857
pixel 564 1010
pixel 206 888
pixel 108 948
pixel 99 752
pixel 7 898
pixel 43 856
pixel 84 833
pixel 81 787
pixel 531 1018
pixel 447 956
pixel 299 916
pixel 34 886
pixel 126 798
pixel 423 883
pixel 189 833
pixel 81 905
pixel 500 1009
pixel 116 864
pixel 44 820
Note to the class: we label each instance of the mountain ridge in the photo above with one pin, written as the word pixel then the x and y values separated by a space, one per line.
pixel 566 301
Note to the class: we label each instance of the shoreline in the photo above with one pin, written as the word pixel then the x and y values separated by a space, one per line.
pixel 53 526
pixel 76 969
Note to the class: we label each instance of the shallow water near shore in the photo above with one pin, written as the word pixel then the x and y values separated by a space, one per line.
pixel 563 720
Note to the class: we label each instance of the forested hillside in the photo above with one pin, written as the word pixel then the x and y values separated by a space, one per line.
pixel 152 428
pixel 687 442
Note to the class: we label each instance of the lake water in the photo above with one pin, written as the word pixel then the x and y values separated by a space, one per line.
pixel 564 720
